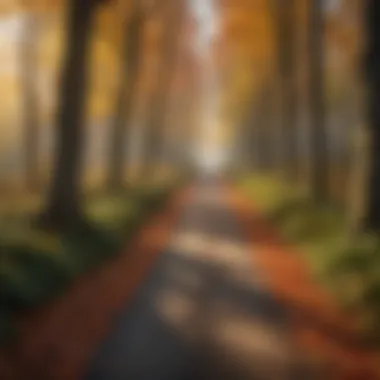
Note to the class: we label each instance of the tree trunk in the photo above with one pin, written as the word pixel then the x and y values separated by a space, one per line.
pixel 245 141
pixel 63 209
pixel 264 130
pixel 161 94
pixel 318 143
pixel 125 97
pixel 372 20
pixel 285 11
pixel 29 100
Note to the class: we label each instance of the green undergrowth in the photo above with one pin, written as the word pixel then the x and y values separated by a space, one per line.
pixel 347 265
pixel 36 266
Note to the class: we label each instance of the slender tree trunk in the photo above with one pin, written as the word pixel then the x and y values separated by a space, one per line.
pixel 264 130
pixel 372 21
pixel 30 100
pixel 186 117
pixel 318 143
pixel 126 95
pixel 285 12
pixel 161 94
pixel 253 136
pixel 63 209
pixel 245 142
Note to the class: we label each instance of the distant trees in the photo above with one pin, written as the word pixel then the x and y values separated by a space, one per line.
pixel 172 17
pixel 63 209
pixel 129 62
pixel 285 23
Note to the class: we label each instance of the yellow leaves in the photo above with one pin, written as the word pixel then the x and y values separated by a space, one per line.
pixel 109 26
pixel 103 78
pixel 9 6
pixel 244 52
pixel 9 107
pixel 247 34
pixel 12 6
pixel 247 51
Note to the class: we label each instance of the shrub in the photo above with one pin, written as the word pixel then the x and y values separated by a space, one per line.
pixel 7 329
pixel 36 266
pixel 349 266
pixel 28 276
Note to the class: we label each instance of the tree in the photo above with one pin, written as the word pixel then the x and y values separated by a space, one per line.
pixel 172 19
pixel 246 139
pixel 255 140
pixel 285 34
pixel 30 99
pixel 318 143
pixel 127 89
pixel 63 210
pixel 372 21
pixel 264 129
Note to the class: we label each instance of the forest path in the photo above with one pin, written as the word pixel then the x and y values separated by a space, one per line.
pixel 204 311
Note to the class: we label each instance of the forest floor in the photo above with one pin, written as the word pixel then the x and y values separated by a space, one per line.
pixel 207 273
pixel 319 324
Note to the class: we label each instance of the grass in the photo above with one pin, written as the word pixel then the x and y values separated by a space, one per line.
pixel 36 266
pixel 348 266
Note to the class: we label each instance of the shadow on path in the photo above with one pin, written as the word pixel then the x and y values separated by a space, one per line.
pixel 204 312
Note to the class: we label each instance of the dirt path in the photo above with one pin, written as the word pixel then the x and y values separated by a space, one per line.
pixel 215 296
pixel 319 325
pixel 58 340
pixel 203 312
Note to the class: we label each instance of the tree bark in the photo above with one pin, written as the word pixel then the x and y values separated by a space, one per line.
pixel 285 11
pixel 161 94
pixel 30 101
pixel 63 209
pixel 263 130
pixel 318 143
pixel 125 97
pixel 372 22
